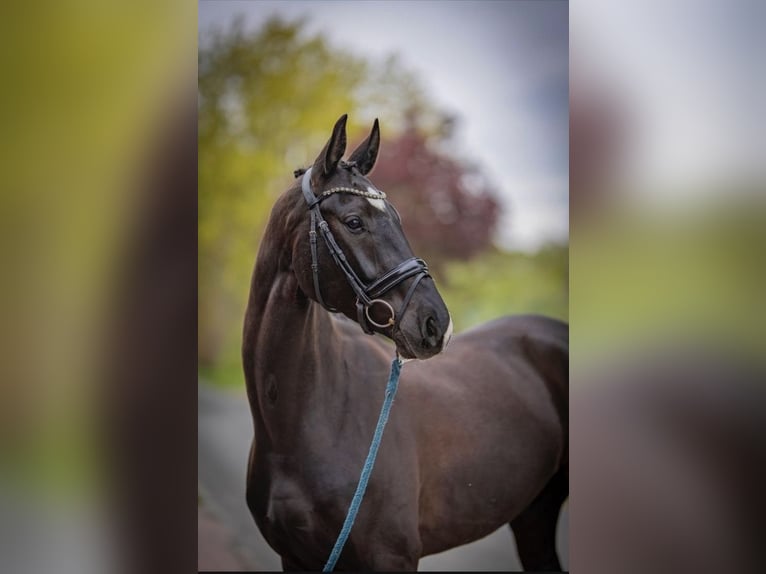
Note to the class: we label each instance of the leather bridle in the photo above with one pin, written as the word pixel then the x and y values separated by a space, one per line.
pixel 367 295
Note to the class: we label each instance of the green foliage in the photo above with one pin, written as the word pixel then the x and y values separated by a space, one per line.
pixel 507 283
pixel 264 104
pixel 646 277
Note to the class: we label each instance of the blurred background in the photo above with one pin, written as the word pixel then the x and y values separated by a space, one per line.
pixel 98 200
pixel 98 287
pixel 472 99
pixel 668 276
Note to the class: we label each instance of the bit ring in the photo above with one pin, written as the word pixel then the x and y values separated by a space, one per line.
pixel 390 322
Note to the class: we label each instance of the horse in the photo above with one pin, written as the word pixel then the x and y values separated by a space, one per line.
pixel 478 434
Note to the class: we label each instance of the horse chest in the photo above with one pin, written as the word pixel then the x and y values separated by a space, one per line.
pixel 285 513
pixel 298 511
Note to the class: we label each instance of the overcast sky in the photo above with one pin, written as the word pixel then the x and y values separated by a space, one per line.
pixel 502 67
pixel 689 77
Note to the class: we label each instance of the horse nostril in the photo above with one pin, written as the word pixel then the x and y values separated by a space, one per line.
pixel 430 333
pixel 431 327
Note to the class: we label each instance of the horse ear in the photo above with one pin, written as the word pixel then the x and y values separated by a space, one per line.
pixel 365 155
pixel 333 151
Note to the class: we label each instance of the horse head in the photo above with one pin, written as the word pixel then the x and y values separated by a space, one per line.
pixel 352 256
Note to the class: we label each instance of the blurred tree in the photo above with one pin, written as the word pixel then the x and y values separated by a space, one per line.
pixel 265 100
pixel 449 210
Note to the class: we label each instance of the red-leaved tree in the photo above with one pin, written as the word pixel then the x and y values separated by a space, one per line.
pixel 449 211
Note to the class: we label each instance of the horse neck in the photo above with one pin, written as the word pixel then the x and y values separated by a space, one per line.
pixel 291 354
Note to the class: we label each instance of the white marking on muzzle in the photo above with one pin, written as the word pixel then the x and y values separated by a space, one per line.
pixel 447 335
pixel 377 203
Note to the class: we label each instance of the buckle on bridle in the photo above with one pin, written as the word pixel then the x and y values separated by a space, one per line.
pixel 391 321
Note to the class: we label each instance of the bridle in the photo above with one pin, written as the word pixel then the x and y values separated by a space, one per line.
pixel 367 295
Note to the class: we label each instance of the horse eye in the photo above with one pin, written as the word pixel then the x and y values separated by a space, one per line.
pixel 354 223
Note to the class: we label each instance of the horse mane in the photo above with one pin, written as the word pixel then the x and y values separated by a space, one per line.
pixel 343 164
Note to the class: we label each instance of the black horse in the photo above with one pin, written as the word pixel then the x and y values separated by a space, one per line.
pixel 478 434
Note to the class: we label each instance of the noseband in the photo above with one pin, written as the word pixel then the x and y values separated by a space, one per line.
pixel 367 295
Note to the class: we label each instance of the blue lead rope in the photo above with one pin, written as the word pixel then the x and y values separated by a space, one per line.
pixel 393 383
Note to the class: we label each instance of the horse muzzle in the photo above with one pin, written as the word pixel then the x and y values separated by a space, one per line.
pixel 426 333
